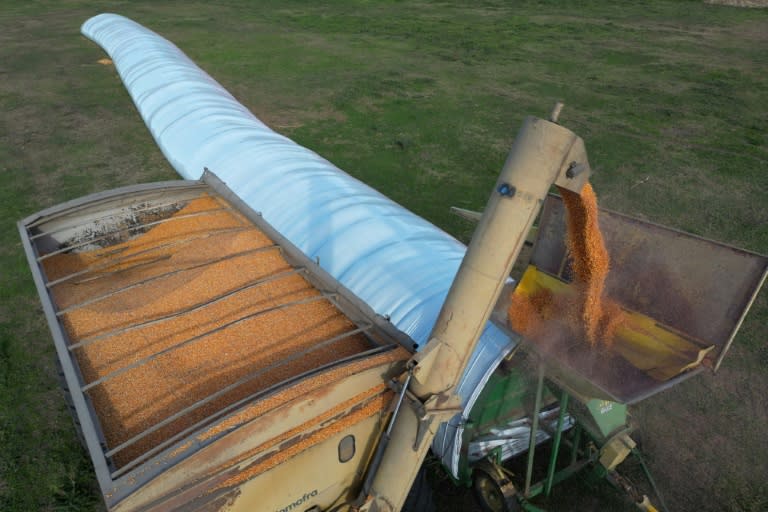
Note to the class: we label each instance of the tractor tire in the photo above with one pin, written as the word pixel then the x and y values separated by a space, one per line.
pixel 420 497
pixel 492 494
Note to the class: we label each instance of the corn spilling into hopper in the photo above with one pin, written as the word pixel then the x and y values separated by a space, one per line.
pixel 671 303
pixel 544 309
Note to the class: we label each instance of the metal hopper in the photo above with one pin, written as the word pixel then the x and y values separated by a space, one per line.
pixel 684 298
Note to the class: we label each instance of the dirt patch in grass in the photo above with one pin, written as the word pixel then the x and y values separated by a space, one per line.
pixel 739 3
pixel 750 31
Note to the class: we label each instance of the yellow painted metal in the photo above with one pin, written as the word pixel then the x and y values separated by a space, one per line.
pixel 658 352
pixel 616 450
pixel 646 506
pixel 647 345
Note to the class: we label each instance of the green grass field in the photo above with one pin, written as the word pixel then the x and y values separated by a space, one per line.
pixel 421 100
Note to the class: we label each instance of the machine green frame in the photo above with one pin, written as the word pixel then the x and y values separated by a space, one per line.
pixel 513 392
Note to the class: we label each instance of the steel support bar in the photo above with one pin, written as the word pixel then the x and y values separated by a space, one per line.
pixel 560 476
pixel 650 478
pixel 234 406
pixel 556 443
pixel 163 276
pixel 384 441
pixel 145 263
pixel 534 430
pixel 253 284
pixel 99 198
pixel 576 442
pixel 117 261
pixel 232 386
pixel 101 218
pixel 145 360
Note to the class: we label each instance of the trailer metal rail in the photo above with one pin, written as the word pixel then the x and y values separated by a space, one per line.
pixel 98 223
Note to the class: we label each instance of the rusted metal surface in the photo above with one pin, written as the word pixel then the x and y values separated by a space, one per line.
pixel 222 503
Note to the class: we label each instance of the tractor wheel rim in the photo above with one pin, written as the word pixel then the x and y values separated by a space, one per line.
pixel 491 494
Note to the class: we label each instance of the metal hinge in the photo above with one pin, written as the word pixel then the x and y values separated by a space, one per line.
pixel 439 406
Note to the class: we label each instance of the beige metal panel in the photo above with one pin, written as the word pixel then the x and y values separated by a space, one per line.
pixel 231 449
pixel 315 477
pixel 222 490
